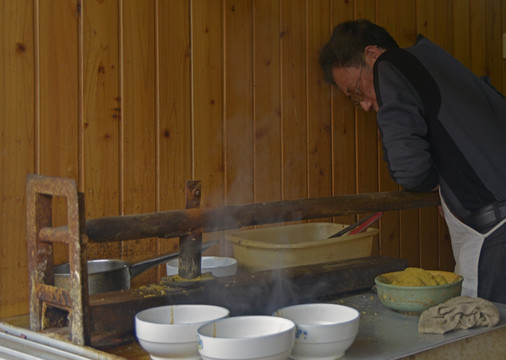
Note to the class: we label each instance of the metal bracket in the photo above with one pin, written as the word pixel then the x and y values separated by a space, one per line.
pixel 64 311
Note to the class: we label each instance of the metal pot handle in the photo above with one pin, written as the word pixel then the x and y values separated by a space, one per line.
pixel 140 267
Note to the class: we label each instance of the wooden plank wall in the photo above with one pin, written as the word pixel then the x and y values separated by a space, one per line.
pixel 132 98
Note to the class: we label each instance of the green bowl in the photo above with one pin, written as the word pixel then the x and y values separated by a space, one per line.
pixel 415 299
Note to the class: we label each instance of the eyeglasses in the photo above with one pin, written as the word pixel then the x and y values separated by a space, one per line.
pixel 357 96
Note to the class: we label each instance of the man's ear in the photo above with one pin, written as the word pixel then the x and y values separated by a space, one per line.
pixel 371 52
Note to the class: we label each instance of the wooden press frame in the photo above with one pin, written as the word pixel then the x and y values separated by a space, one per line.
pixel 187 224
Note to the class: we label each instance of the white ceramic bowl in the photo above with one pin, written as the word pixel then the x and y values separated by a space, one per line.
pixel 170 332
pixel 324 331
pixel 217 265
pixel 252 337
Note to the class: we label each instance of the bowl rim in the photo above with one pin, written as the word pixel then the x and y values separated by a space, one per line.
pixel 319 305
pixel 459 280
pixel 172 307
pixel 156 332
pixel 240 318
pixel 232 347
pixel 164 343
pixel 234 236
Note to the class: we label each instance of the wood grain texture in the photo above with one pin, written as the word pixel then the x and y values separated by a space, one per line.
pixel 138 135
pixel 174 129
pixel 207 100
pixel 267 101
pixel 293 102
pixel 101 114
pixel 17 139
pixel 239 127
pixel 319 115
pixel 58 80
pixel 133 98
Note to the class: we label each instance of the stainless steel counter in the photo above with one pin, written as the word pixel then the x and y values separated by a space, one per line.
pixel 383 334
pixel 387 334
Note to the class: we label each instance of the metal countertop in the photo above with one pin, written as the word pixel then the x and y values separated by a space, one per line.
pixel 388 334
pixel 383 334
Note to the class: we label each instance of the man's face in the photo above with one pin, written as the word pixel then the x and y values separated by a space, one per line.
pixel 357 84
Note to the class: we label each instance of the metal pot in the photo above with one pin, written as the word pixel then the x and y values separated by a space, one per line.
pixel 111 275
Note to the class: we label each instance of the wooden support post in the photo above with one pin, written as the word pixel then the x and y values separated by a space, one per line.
pixel 190 246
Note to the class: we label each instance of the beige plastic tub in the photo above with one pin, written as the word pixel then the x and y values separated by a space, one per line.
pixel 294 245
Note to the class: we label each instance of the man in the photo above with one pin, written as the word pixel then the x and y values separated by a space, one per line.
pixel 442 127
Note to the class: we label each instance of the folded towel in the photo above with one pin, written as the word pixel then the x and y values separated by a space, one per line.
pixel 461 312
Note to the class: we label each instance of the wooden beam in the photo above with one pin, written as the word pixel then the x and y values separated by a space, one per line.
pixel 176 223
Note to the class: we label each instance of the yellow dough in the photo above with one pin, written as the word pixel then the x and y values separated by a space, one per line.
pixel 417 277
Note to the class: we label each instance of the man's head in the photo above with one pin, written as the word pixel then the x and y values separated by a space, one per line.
pixel 348 58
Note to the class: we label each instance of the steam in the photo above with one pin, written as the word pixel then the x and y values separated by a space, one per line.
pixel 266 291
pixel 262 293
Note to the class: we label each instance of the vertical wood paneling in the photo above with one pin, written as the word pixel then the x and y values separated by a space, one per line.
pixel 365 9
pixel 101 116
pixel 389 224
pixel 139 123
pixel 238 102
pixel 318 103
pixel 59 92
pixel 174 104
pixel 294 106
pixel 267 101
pixel 136 97
pixel 58 79
pixel 207 52
pixel 17 141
